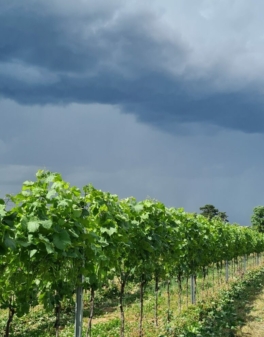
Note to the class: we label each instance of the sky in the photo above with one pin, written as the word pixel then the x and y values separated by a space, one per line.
pixel 154 99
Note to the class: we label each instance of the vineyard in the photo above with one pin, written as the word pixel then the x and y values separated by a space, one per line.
pixel 58 241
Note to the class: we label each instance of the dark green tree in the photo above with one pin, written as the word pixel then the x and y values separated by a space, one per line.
pixel 257 219
pixel 223 216
pixel 209 211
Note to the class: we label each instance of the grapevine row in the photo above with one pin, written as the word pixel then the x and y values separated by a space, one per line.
pixel 53 233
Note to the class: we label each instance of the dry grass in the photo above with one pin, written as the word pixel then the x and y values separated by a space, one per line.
pixel 255 319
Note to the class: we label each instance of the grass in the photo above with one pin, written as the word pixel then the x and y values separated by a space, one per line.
pixel 252 313
pixel 106 320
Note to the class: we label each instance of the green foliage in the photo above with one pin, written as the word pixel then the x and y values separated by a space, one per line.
pixel 54 233
pixel 257 219
pixel 6 229
pixel 220 318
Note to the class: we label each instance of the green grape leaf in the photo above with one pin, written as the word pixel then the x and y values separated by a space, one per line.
pixel 32 252
pixel 33 226
pixel 63 203
pixel 23 243
pixel 10 243
pixel 138 208
pixel 49 248
pixel 109 231
pixel 2 210
pixel 61 240
pixel 46 223
pixel 28 183
pixel 50 178
pixel 51 193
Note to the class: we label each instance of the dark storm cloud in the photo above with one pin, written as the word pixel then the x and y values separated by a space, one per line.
pixel 97 144
pixel 113 57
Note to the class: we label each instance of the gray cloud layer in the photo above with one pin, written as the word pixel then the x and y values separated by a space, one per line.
pixel 169 64
pixel 98 144
pixel 78 78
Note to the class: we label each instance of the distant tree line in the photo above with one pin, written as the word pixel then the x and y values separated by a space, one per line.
pixel 210 212
pixel 257 219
